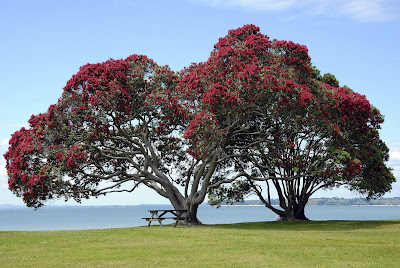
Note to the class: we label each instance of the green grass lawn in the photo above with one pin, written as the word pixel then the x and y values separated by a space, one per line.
pixel 263 244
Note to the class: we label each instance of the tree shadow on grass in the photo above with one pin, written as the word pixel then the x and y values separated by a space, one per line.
pixel 310 225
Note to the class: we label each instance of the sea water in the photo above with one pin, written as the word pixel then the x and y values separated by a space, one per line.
pixel 81 218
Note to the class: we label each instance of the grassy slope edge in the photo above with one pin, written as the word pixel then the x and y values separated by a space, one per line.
pixel 266 244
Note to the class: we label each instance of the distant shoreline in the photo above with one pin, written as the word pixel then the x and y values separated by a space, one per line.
pixel 335 201
pixel 310 205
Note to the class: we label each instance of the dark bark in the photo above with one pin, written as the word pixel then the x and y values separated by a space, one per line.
pixel 189 204
pixel 192 214
pixel 295 212
pixel 292 206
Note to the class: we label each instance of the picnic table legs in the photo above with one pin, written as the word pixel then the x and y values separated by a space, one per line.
pixel 159 220
pixel 154 216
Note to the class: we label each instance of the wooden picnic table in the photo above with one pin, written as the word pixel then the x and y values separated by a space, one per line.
pixel 159 215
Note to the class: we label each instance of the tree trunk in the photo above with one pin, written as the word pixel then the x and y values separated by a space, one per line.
pixel 192 213
pixel 191 208
pixel 295 212
pixel 179 202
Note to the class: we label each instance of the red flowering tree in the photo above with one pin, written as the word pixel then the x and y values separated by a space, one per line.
pixel 118 125
pixel 254 112
pixel 278 122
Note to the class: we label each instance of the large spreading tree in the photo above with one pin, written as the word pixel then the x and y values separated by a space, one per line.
pixel 255 112
pixel 118 125
pixel 282 124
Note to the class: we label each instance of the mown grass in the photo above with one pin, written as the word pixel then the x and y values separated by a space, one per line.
pixel 263 244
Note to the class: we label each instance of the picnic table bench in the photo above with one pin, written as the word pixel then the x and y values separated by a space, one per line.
pixel 159 215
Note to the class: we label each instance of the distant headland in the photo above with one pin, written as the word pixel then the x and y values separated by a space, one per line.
pixel 334 201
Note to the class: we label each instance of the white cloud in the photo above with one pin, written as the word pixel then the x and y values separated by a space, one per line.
pixel 251 4
pixel 359 10
pixel 394 156
pixel 394 162
pixel 394 153
pixel 3 177
pixel 3 171
pixel 366 10
pixel 124 2
pixel 3 184
pixel 4 142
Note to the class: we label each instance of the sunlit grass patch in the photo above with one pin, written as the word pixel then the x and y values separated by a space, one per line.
pixel 261 244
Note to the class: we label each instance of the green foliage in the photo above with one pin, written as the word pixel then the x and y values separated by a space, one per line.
pixel 316 73
pixel 330 79
pixel 235 192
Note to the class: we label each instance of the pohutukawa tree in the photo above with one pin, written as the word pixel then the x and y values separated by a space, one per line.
pixel 118 125
pixel 280 123
pixel 254 112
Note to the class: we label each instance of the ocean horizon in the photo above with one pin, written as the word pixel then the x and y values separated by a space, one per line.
pixel 119 216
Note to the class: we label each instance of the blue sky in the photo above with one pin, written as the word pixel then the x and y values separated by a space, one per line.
pixel 44 42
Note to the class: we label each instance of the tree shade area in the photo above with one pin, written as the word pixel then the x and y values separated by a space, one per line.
pixel 255 116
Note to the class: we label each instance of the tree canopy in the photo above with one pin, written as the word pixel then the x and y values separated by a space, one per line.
pixel 255 112
pixel 296 131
